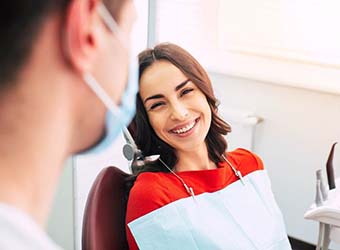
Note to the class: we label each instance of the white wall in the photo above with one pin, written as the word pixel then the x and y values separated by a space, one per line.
pixel 293 140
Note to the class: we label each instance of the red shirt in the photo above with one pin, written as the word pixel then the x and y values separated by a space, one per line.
pixel 155 190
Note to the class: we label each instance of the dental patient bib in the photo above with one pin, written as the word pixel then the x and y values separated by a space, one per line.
pixel 225 213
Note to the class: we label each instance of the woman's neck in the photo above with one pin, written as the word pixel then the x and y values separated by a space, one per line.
pixel 197 159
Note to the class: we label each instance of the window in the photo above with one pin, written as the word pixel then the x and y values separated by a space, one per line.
pixel 288 42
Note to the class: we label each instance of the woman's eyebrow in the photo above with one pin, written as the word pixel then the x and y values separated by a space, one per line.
pixel 153 97
pixel 158 96
pixel 181 85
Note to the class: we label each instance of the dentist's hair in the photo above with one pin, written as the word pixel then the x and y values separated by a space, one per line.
pixel 21 22
pixel 145 136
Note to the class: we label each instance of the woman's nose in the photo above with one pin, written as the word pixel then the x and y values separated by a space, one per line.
pixel 179 112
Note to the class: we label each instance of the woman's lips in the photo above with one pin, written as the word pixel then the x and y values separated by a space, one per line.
pixel 185 130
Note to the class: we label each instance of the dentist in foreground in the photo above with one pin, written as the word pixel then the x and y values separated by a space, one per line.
pixel 64 85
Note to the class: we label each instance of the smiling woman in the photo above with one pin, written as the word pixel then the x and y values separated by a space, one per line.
pixel 178 111
pixel 197 195
pixel 175 104
pixel 172 83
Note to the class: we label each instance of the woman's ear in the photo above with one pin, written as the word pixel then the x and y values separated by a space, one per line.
pixel 81 34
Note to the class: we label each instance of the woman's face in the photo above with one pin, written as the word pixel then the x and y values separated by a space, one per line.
pixel 178 111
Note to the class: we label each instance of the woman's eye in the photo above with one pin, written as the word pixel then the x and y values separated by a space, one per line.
pixel 153 106
pixel 186 91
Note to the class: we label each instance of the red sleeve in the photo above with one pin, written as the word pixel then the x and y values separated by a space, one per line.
pixel 144 198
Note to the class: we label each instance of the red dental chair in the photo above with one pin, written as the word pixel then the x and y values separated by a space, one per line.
pixel 104 215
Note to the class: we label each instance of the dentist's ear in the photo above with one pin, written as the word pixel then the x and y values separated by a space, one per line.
pixel 81 34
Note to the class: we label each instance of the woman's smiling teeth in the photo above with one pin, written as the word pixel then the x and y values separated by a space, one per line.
pixel 185 128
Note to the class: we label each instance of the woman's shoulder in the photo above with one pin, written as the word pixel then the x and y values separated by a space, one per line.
pixel 147 194
pixel 147 185
pixel 246 159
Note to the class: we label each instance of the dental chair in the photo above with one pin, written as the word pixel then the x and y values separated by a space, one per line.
pixel 104 215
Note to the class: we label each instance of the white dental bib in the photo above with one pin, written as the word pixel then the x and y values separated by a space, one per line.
pixel 237 217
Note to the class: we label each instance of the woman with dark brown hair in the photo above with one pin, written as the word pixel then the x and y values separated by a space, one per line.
pixel 196 195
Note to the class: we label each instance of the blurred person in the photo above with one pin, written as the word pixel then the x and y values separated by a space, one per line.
pixel 64 82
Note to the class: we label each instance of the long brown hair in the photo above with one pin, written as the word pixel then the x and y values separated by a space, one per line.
pixel 146 138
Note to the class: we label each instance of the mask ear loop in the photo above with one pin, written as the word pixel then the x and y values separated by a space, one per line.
pixel 96 88
pixel 111 23
pixel 88 78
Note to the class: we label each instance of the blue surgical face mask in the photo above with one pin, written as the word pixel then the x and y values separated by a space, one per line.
pixel 117 117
